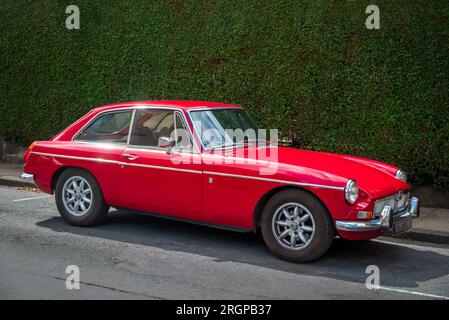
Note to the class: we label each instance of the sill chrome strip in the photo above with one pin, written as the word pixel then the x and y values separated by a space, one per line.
pixel 158 167
pixel 188 171
pixel 273 180
pixel 74 157
pixel 121 163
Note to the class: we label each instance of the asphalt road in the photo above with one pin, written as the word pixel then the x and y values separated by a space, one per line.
pixel 141 257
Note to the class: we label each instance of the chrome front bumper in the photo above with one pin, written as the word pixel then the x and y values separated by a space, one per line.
pixel 27 177
pixel 385 220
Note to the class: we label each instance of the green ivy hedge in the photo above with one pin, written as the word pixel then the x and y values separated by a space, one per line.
pixel 309 68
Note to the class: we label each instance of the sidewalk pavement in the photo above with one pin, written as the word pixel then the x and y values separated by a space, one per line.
pixel 9 175
pixel 432 225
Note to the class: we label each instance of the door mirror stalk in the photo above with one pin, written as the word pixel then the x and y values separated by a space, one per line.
pixel 171 143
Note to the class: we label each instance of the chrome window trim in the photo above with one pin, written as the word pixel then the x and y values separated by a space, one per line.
pixel 184 122
pixel 133 109
pixel 146 148
pixel 109 143
pixel 190 171
pixel 131 127
pixel 117 109
pixel 75 136
pixel 175 110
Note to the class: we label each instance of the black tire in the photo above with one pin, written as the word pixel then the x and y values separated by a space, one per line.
pixel 319 241
pixel 96 213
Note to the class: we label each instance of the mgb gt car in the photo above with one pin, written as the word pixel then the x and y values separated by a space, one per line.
pixel 178 159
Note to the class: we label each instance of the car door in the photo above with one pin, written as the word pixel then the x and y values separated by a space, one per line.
pixel 159 175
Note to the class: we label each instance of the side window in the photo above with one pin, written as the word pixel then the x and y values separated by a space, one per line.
pixel 152 128
pixel 108 128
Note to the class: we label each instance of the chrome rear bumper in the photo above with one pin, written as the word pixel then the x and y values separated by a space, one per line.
pixel 384 222
pixel 27 177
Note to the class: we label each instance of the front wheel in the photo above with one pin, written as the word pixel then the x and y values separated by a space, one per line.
pixel 79 198
pixel 296 226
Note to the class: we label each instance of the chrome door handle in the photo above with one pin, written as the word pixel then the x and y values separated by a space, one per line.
pixel 129 156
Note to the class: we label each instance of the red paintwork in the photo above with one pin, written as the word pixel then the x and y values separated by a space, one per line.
pixel 228 201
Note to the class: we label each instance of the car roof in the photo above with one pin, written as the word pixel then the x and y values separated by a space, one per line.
pixel 178 104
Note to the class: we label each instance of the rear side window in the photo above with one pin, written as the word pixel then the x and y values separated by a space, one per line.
pixel 108 128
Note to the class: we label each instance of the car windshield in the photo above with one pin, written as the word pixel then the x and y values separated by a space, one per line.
pixel 227 127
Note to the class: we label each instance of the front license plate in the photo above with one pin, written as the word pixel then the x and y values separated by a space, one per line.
pixel 401 227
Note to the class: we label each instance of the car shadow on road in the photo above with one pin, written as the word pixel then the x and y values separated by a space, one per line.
pixel 400 266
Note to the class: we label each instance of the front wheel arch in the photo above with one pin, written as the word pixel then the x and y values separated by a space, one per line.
pixel 257 215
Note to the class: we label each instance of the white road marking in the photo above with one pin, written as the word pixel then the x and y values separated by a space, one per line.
pixel 415 246
pixel 34 198
pixel 413 292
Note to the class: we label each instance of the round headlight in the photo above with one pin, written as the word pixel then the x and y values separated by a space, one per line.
pixel 351 191
pixel 401 175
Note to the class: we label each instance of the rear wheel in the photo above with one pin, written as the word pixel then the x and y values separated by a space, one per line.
pixel 79 198
pixel 296 226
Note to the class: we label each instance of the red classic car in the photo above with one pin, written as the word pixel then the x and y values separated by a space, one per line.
pixel 133 156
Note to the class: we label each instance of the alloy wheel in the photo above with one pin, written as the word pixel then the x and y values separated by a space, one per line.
pixel 293 226
pixel 77 196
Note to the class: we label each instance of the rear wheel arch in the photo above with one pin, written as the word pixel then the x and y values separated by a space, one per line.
pixel 258 210
pixel 58 173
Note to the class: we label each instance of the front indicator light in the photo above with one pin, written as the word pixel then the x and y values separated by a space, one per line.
pixel 365 215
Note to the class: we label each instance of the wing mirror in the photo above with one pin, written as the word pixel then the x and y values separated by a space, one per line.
pixel 169 143
pixel 165 142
